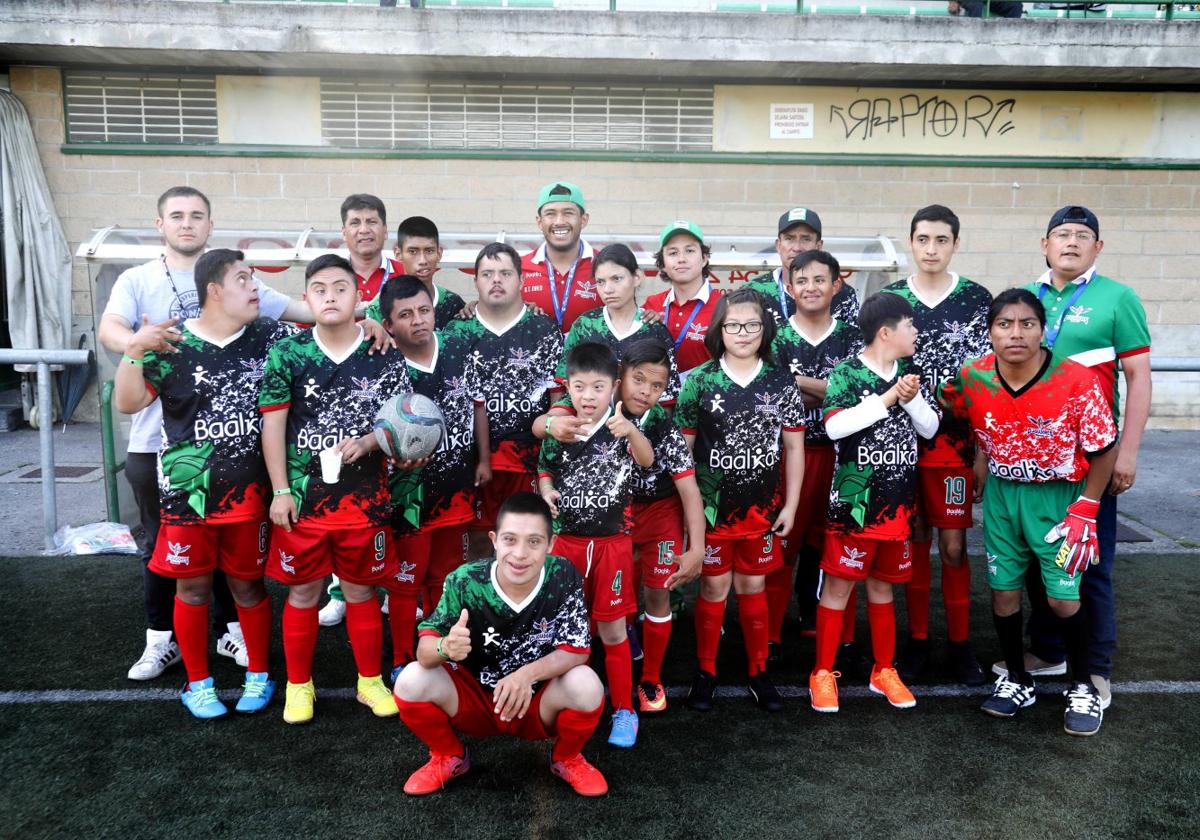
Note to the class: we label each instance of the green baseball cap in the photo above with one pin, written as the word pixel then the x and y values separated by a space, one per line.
pixel 680 226
pixel 560 191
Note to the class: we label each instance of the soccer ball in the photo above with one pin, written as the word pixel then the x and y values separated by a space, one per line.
pixel 409 426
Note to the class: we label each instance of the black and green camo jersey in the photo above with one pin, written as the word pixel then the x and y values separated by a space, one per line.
pixel 328 399
pixel 445 308
pixel 783 306
pixel 506 636
pixel 875 484
pixel 738 431
pixel 594 479
pixel 443 491
pixel 950 331
pixel 816 360
pixel 511 372
pixel 211 466
pixel 595 325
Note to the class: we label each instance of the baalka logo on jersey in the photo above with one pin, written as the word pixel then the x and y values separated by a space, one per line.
pixel 936 376
pixel 457 439
pixel 885 456
pixel 240 425
pixel 318 441
pixel 1027 470
pixel 511 404
pixel 585 500
pixel 757 459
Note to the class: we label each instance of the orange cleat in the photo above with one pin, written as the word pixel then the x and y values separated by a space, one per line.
pixel 886 681
pixel 652 698
pixel 433 775
pixel 822 687
pixel 580 775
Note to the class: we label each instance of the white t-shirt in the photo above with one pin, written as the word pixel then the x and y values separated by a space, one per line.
pixel 149 289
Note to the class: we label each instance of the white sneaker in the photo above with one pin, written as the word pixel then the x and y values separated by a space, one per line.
pixel 161 652
pixel 384 608
pixel 233 645
pixel 332 614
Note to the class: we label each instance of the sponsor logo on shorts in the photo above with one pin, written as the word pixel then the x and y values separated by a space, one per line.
pixel 852 557
pixel 992 568
pixel 377 569
pixel 177 554
pixel 285 561
pixel 405 575
pixel 955 511
pixel 543 631
pixel 616 602
pixel 905 566
pixel 712 555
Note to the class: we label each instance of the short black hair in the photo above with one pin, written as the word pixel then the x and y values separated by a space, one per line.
pixel 183 192
pixel 882 309
pixel 211 268
pixel 934 213
pixel 713 339
pixel 1015 295
pixel 618 254
pixel 592 357
pixel 646 351
pixel 401 287
pixel 417 226
pixel 329 261
pixel 364 201
pixel 493 250
pixel 806 258
pixel 527 503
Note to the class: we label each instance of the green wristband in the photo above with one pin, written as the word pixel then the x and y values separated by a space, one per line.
pixel 439 650
pixel 127 358
pixel 281 492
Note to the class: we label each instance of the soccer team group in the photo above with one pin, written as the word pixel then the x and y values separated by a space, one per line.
pixel 778 440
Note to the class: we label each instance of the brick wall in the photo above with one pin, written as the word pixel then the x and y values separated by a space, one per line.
pixel 1150 219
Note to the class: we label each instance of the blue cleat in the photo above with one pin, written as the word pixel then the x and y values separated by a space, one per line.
pixel 200 698
pixel 395 674
pixel 257 692
pixel 624 728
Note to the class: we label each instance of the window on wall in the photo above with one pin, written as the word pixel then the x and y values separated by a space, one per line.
pixel 464 116
pixel 133 108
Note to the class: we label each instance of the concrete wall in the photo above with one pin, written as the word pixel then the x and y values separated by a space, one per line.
pixel 1150 218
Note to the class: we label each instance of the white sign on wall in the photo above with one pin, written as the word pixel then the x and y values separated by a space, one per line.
pixel 791 121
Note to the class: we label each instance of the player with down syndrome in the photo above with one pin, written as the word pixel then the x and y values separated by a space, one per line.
pixel 505 653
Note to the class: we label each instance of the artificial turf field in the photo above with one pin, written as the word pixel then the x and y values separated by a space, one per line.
pixel 138 765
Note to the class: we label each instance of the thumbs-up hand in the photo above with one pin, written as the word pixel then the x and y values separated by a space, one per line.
pixel 619 424
pixel 457 643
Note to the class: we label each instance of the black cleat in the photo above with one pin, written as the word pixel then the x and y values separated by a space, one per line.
pixel 764 693
pixel 704 686
pixel 1009 697
pixel 774 654
pixel 915 662
pixel 963 664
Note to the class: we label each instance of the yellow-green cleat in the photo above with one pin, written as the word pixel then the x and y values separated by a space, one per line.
pixel 377 696
pixel 298 702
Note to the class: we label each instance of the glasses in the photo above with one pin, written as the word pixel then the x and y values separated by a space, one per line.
pixel 749 328
pixel 1084 236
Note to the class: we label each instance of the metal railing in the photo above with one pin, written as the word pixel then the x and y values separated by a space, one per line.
pixel 45 403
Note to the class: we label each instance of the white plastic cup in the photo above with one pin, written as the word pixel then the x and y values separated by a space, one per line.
pixel 331 465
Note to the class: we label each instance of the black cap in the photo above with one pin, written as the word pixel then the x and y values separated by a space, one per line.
pixel 800 216
pixel 1074 215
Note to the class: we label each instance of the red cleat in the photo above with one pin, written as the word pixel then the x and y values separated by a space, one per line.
pixel 433 775
pixel 580 775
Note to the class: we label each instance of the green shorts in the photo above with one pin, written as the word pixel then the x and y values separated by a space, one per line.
pixel 1016 517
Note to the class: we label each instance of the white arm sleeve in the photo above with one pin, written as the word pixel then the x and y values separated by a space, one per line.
pixel 848 421
pixel 924 418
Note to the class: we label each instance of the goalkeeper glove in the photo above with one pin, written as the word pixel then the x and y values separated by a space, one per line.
pixel 1077 530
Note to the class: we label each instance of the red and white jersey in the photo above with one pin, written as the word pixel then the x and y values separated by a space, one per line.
pixel 576 292
pixel 371 286
pixel 688 323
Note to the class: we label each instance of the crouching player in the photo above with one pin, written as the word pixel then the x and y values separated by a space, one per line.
pixel 212 480
pixel 735 411
pixel 589 486
pixel 874 410
pixel 1048 435
pixel 505 653
pixel 320 393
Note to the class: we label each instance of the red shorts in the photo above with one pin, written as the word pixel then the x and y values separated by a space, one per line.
pixel 239 549
pixel 857 558
pixel 606 564
pixel 476 714
pixel 758 555
pixel 657 538
pixel 428 554
pixel 946 496
pixel 363 556
pixel 809 525
pixel 490 496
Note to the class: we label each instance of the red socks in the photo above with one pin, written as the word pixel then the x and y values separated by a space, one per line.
pixel 256 629
pixel 956 596
pixel 364 626
pixel 710 615
pixel 618 666
pixel 753 613
pixel 917 590
pixel 191 632
pixel 656 633
pixel 573 728
pixel 829 634
pixel 850 617
pixel 431 725
pixel 402 621
pixel 299 639
pixel 883 633
pixel 779 595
